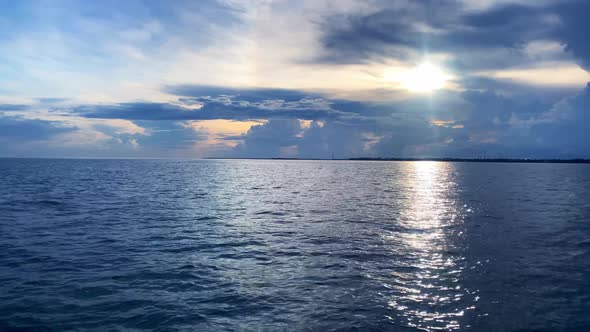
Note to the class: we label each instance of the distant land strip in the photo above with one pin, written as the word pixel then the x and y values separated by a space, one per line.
pixel 466 160
pixel 485 160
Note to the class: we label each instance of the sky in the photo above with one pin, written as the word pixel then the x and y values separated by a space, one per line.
pixel 285 78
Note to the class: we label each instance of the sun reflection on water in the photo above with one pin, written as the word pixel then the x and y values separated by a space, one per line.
pixel 426 291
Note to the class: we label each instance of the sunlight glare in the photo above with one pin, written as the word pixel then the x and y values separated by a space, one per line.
pixel 424 78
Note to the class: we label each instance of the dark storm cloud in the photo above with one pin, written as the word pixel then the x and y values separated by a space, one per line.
pixel 491 110
pixel 132 111
pixel 573 32
pixel 248 104
pixel 429 25
pixel 506 26
pixel 12 107
pixel 268 140
pixel 210 111
pixel 338 139
pixel 480 83
pixel 21 129
pixel 288 138
pixel 209 102
pixel 566 126
pixel 504 119
pixel 51 100
pixel 516 125
pixel 473 37
pixel 246 94
pixel 168 135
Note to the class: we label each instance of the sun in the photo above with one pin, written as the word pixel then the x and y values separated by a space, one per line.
pixel 425 77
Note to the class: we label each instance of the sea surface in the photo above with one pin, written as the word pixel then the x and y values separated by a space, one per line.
pixel 271 245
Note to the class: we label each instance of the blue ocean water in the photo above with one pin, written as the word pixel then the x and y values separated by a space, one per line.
pixel 268 245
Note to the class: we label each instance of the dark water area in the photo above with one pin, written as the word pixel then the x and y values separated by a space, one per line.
pixel 261 245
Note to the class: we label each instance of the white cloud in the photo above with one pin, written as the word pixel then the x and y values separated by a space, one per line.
pixel 557 74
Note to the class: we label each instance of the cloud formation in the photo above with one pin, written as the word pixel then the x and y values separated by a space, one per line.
pixel 293 79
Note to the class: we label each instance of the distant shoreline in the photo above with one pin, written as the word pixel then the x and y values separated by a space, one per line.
pixel 460 160
pixel 464 160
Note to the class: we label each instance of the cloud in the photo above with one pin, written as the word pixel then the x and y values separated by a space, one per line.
pixel 210 103
pixel 209 111
pixel 428 26
pixel 272 139
pixel 21 136
pixel 85 46
pixel 284 78
pixel 20 129
pixel 34 132
pixel 245 94
pixel 47 100
pixel 337 139
pixel 489 38
pixel 448 123
pixel 12 107
pixel 291 138
pixel 573 32
pixel 564 128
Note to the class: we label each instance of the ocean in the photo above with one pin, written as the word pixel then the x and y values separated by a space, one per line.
pixel 293 245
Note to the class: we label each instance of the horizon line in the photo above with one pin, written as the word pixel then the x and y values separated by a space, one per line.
pixel 437 159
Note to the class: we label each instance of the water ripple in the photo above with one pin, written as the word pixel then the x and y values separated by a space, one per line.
pixel 293 245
